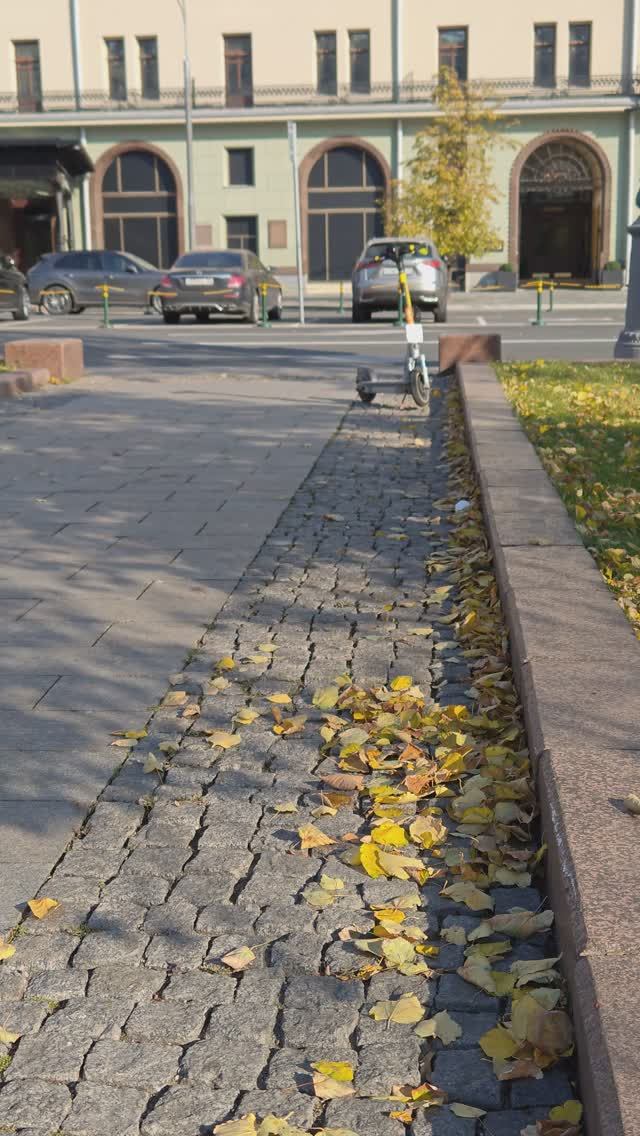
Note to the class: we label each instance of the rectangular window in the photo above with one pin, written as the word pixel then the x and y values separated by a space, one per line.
pixel 149 72
pixel 452 50
pixel 360 59
pixel 326 63
pixel 579 55
pixel 116 69
pixel 242 233
pixel 28 77
pixel 238 70
pixel 544 64
pixel 241 167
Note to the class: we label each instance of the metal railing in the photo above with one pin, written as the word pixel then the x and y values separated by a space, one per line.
pixel 411 91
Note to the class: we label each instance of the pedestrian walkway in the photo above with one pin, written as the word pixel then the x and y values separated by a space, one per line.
pixel 204 959
pixel 130 508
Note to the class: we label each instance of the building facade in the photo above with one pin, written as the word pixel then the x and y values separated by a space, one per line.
pixel 92 125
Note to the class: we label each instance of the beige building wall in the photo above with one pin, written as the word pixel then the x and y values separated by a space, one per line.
pixel 283 37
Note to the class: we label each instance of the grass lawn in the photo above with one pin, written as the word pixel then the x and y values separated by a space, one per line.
pixel 584 420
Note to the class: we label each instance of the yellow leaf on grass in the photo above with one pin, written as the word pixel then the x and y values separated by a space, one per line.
pixel 442 1026
pixel 499 1042
pixel 467 893
pixel 466 1110
pixel 246 1126
pixel 312 837
pixel 8 1038
pixel 389 833
pixel 326 697
pixel 7 950
pixel 223 739
pixel 226 663
pixel 240 959
pixel 570 1111
pixel 403 1011
pixel 42 907
pixel 402 682
pixel 246 716
pixel 279 698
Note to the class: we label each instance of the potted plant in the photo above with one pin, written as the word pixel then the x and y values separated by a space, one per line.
pixel 613 274
pixel 507 278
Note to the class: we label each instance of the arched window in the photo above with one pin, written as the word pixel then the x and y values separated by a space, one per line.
pixel 139 205
pixel 345 193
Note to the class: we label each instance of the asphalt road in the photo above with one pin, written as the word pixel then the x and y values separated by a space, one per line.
pixel 583 326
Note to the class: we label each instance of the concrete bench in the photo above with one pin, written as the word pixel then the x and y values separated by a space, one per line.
pixel 62 358
pixel 13 383
pixel 477 348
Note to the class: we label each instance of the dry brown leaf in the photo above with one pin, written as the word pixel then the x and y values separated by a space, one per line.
pixel 239 959
pixel 312 837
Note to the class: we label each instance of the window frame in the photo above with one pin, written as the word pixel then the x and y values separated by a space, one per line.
pixel 234 60
pixel 538 80
pixel 327 86
pixel 584 81
pixel 250 150
pixel 153 91
pixel 112 63
pixel 359 87
pixel 29 93
pixel 250 237
pixel 464 28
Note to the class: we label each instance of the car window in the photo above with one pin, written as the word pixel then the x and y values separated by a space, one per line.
pixel 115 262
pixel 205 259
pixel 72 260
pixel 411 250
pixel 143 265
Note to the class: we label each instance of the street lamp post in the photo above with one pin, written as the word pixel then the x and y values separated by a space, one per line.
pixel 188 116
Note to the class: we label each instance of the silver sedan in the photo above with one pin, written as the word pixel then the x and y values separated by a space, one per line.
pixel 375 278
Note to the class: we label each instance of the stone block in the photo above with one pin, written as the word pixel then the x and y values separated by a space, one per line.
pixel 62 358
pixel 186 1109
pixel 480 347
pixel 468 1076
pixel 13 383
pixel 98 1109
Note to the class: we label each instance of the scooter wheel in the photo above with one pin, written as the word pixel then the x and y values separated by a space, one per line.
pixel 419 387
pixel 367 396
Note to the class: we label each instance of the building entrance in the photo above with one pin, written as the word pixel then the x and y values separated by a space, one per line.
pixel 560 205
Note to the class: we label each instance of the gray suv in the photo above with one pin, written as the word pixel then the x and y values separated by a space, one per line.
pixel 375 278
pixel 64 282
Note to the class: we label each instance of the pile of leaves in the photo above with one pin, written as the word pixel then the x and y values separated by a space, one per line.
pixel 584 420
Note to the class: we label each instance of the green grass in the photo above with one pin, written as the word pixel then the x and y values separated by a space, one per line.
pixel 584 419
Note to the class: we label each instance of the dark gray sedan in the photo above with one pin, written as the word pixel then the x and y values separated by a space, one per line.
pixel 14 296
pixel 64 282
pixel 219 281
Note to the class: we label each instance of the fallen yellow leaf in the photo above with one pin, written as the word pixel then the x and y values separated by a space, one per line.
pixel 8 1038
pixel 246 1126
pixel 223 739
pixel 42 907
pixel 240 959
pixel 402 682
pixel 279 698
pixel 312 837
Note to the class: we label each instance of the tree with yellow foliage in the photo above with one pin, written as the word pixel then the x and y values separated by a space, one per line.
pixel 449 188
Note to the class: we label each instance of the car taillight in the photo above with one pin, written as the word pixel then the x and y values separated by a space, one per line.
pixel 166 281
pixel 433 263
pixel 367 264
pixel 236 281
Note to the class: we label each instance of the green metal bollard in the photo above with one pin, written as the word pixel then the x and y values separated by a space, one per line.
pixel 105 306
pixel 552 289
pixel 341 304
pixel 539 321
pixel 399 322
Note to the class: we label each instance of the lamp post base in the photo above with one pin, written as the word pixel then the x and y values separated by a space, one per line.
pixel 628 346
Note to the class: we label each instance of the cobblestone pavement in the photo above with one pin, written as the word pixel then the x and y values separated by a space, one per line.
pixel 129 1021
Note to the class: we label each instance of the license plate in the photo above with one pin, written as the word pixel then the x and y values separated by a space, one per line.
pixel 198 281
pixel 389 271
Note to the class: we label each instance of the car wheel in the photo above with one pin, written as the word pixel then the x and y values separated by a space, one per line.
pixel 253 314
pixel 78 311
pixel 23 310
pixel 276 313
pixel 56 301
pixel 440 313
pixel 202 317
pixel 171 317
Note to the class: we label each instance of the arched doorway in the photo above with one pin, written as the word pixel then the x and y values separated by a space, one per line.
pixel 561 192
pixel 343 194
pixel 139 205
